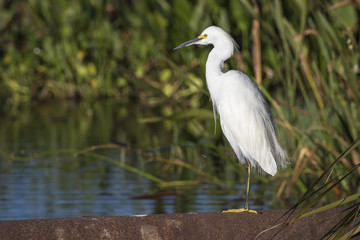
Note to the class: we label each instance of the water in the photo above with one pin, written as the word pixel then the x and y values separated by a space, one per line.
pixel 45 179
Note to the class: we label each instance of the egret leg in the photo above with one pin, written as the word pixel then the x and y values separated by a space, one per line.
pixel 246 209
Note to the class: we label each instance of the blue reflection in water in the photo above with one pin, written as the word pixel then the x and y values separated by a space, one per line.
pixel 28 192
pixel 63 186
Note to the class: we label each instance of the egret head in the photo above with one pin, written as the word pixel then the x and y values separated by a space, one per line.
pixel 212 35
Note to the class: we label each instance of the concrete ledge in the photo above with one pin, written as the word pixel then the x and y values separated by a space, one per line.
pixel 172 226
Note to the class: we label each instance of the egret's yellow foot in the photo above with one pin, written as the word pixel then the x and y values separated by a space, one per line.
pixel 240 210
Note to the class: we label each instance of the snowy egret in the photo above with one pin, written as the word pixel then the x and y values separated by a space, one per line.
pixel 245 117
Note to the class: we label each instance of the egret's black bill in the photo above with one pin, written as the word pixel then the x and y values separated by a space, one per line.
pixel 188 43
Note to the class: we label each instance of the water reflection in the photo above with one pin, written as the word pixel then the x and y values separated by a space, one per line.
pixel 53 183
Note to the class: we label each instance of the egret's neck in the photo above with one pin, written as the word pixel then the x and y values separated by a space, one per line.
pixel 214 64
pixel 215 67
pixel 217 56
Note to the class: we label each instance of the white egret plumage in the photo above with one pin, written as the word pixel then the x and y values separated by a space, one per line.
pixel 245 117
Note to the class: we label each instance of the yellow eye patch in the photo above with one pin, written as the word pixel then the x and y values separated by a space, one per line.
pixel 204 36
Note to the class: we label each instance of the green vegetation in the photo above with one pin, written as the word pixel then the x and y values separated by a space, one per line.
pixel 304 55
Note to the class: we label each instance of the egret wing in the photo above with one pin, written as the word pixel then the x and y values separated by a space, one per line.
pixel 247 122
